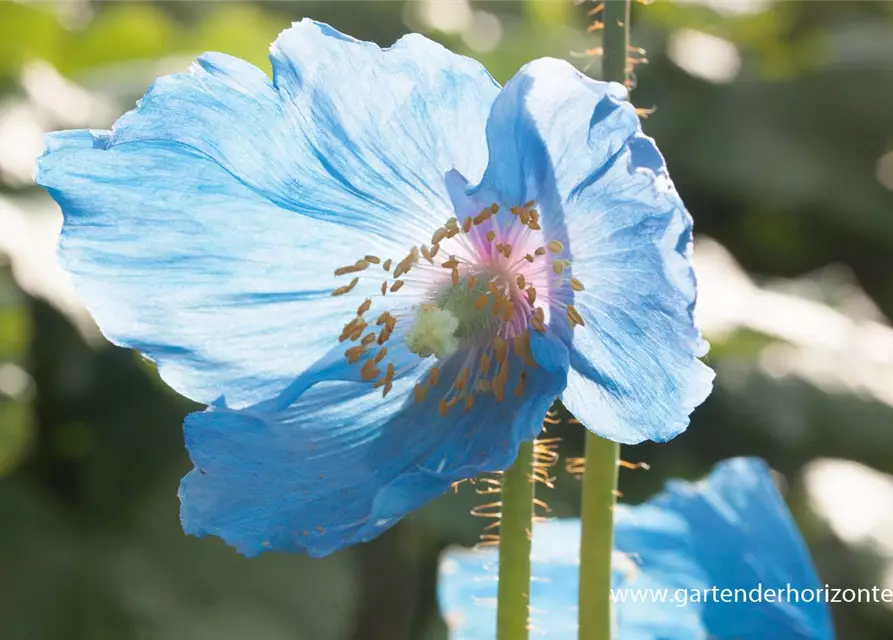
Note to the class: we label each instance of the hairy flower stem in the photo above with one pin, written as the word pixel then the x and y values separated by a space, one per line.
pixel 615 46
pixel 513 606
pixel 597 538
pixel 602 456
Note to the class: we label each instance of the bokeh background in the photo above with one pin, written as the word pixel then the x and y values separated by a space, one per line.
pixel 776 119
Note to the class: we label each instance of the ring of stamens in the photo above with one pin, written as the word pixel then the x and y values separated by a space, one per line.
pixel 482 288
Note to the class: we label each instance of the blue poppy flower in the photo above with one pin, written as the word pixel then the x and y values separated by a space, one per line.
pixel 379 269
pixel 731 531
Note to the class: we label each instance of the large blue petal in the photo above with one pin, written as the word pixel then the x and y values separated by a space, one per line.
pixel 204 228
pixel 229 294
pixel 345 131
pixel 731 530
pixel 333 464
pixel 575 146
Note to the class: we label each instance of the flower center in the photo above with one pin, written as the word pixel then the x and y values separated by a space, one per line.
pixel 475 293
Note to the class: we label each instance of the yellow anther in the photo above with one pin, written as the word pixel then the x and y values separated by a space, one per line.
pixel 482 216
pixel 484 385
pixel 384 381
pixel 358 266
pixel 469 402
pixel 396 286
pixel 387 264
pixel 481 302
pixel 350 327
pixel 500 348
pixel 538 324
pixel 420 392
pixel 357 331
pixel 434 250
pixel 385 333
pixel 381 354
pixel 363 308
pixel 433 376
pixel 466 226
pixel 485 363
pixel 452 223
pixel 425 253
pixel 462 379
pixel 539 313
pixel 529 258
pixel 507 251
pixel 519 388
pixel 340 291
pixel 369 371
pixel 406 264
pixel 383 318
pixel 491 236
pixel 522 282
pixel 372 259
pixel 443 408
pixel 452 263
pixel 384 287
pixel 439 235
pixel 473 280
pixel 494 209
pixel 494 289
pixel 454 276
pixel 531 294
pixel 388 385
pixel 558 266
pixel 576 285
pixel 355 353
pixel 369 338
pixel 497 306
pixel 507 311
pixel 574 316
pixel 555 246
pixel 540 251
pixel 529 204
pixel 521 344
pixel 524 216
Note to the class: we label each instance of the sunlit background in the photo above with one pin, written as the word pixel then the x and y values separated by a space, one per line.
pixel 776 119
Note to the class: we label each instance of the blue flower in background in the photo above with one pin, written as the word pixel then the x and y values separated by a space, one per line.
pixel 731 530
pixel 379 269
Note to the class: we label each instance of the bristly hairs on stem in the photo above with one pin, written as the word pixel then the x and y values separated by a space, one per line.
pixel 488 484
pixel 635 57
pixel 577 466
pixel 545 457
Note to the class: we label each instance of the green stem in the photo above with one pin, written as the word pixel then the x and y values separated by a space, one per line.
pixel 512 609
pixel 597 537
pixel 602 456
pixel 615 45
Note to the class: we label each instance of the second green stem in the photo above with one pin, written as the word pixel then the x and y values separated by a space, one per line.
pixel 602 456
pixel 597 538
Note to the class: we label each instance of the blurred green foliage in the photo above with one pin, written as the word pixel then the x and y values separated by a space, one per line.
pixel 779 162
